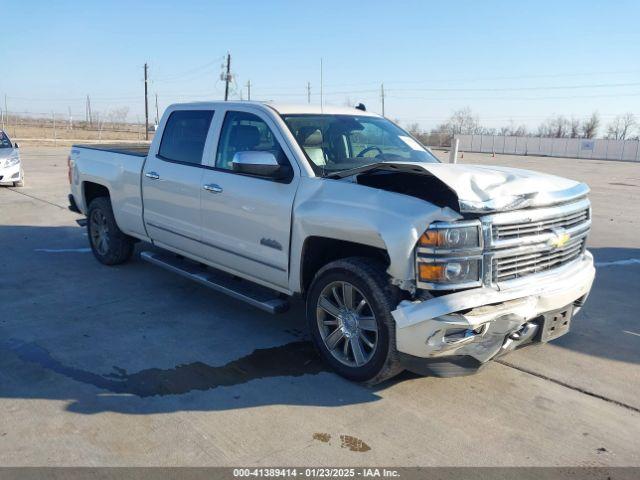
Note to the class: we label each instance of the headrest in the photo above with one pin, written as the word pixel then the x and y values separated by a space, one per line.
pixel 244 136
pixel 310 137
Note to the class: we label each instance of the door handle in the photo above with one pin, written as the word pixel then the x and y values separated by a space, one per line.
pixel 152 175
pixel 213 188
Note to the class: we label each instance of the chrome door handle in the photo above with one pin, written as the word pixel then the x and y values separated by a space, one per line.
pixel 152 175
pixel 213 188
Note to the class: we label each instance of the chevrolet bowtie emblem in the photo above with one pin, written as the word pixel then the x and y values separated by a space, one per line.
pixel 561 237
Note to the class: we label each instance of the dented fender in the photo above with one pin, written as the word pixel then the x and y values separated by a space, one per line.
pixel 343 210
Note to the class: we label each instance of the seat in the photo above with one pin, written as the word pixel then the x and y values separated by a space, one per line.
pixel 310 139
pixel 242 138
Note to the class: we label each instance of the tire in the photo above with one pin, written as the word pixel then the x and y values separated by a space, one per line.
pixel 369 281
pixel 108 244
pixel 21 182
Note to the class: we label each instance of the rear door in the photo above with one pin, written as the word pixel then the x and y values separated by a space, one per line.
pixel 246 220
pixel 171 180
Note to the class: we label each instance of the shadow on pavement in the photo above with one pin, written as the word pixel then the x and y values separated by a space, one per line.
pixel 74 326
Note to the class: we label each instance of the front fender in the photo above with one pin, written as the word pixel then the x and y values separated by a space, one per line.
pixel 343 210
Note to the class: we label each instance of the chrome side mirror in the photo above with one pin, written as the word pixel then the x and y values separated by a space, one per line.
pixel 262 164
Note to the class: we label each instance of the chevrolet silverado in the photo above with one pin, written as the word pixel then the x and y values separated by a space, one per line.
pixel 403 262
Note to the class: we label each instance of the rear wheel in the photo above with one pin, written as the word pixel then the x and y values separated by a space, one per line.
pixel 349 314
pixel 109 245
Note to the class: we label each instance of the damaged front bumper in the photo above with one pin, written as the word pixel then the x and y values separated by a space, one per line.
pixel 455 334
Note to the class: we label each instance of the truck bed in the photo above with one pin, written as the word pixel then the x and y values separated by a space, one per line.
pixel 137 149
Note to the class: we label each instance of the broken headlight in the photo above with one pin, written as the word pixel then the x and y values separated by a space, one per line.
pixel 449 256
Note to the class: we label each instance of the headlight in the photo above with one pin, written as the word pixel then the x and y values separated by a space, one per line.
pixel 12 160
pixel 449 256
pixel 451 272
pixel 449 237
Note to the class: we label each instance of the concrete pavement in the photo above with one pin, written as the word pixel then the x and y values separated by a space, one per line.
pixel 132 365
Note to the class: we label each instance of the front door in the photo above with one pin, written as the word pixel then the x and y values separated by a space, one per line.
pixel 246 220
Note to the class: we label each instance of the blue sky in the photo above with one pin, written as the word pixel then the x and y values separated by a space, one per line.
pixel 523 61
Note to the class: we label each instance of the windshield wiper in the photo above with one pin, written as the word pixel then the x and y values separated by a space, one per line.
pixel 354 171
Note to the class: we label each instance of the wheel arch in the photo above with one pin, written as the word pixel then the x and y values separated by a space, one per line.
pixel 93 190
pixel 318 251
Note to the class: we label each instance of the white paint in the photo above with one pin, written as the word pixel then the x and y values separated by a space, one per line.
pixel 631 333
pixel 453 154
pixel 615 263
pixel 63 250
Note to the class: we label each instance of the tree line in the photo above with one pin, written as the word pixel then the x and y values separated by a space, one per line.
pixel 465 122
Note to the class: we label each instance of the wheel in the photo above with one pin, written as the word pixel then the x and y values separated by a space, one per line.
pixel 21 182
pixel 349 308
pixel 109 245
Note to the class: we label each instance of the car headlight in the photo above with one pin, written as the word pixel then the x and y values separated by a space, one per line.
pixel 449 272
pixel 12 160
pixel 446 236
pixel 449 256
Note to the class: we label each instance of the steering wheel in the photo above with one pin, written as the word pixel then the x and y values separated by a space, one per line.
pixel 369 149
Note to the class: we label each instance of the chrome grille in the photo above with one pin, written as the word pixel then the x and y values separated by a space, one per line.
pixel 526 229
pixel 509 267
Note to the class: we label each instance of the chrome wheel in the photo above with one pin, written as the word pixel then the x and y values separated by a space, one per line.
pixel 347 324
pixel 99 232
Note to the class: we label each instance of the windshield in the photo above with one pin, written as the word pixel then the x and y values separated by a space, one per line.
pixel 4 140
pixel 334 143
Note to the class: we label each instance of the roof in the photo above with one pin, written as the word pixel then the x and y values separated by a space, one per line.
pixel 291 108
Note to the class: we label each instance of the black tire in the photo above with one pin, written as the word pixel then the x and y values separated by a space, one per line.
pixel 369 277
pixel 119 246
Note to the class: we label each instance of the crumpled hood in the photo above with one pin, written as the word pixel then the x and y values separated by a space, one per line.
pixel 483 189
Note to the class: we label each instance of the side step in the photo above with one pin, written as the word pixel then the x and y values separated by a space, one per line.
pixel 256 295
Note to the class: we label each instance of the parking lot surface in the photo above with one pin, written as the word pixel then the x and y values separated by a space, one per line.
pixel 132 365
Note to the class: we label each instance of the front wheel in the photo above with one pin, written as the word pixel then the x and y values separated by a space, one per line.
pixel 349 309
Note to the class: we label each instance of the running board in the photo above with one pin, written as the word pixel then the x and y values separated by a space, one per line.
pixel 256 295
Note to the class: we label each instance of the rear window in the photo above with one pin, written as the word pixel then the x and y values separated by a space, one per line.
pixel 184 136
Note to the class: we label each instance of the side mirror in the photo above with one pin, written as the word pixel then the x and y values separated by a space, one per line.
pixel 15 145
pixel 262 164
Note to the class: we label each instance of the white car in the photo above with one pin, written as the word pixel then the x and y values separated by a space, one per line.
pixel 11 172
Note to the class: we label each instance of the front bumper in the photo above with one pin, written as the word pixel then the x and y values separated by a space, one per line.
pixel 473 326
pixel 11 174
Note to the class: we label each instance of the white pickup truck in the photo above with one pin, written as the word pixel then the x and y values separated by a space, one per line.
pixel 403 262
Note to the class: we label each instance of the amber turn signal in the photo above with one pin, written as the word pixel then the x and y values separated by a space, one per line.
pixel 431 272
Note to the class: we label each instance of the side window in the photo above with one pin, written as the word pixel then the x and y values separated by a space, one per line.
pixel 184 136
pixel 242 132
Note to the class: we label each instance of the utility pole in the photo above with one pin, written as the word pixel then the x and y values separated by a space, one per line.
pixel 227 78
pixel 248 89
pixel 89 116
pixel 146 105
pixel 157 115
pixel 70 126
pixel 321 86
pixel 308 92
pixel 5 115
pixel 382 97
